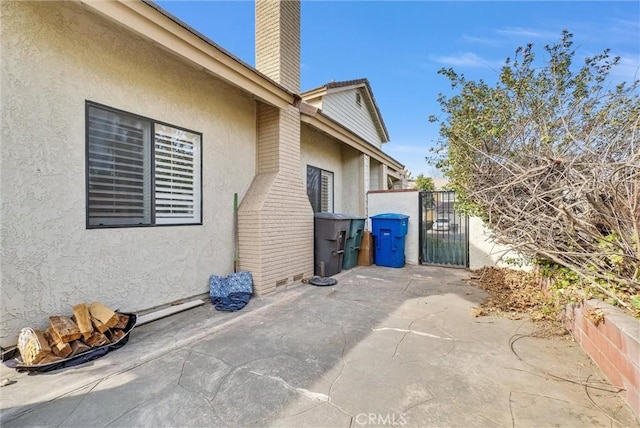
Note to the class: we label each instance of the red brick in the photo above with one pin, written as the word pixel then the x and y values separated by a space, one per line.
pixel 631 348
pixel 621 361
pixel 581 322
pixel 611 372
pixel 589 328
pixel 590 348
pixel 632 397
pixel 607 368
pixel 599 340
pixel 611 330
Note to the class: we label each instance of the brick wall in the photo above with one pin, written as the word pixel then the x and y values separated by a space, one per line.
pixel 275 219
pixel 278 41
pixel 613 344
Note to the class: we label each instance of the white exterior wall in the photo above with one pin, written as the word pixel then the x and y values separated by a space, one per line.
pixel 341 106
pixel 317 149
pixel 374 175
pixel 399 202
pixel 484 252
pixel 365 174
pixel 353 184
pixel 56 55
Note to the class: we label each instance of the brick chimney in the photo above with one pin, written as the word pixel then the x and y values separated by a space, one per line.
pixel 278 41
pixel 275 219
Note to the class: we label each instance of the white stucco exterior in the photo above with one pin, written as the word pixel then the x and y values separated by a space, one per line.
pixel 317 149
pixel 55 57
pixel 353 181
pixel 484 252
pixel 257 140
pixel 399 202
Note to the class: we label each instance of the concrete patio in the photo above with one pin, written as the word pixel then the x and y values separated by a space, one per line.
pixel 383 347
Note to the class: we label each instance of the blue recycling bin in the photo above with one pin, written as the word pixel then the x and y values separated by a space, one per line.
pixel 389 232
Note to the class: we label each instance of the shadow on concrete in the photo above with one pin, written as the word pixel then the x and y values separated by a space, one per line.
pixel 383 347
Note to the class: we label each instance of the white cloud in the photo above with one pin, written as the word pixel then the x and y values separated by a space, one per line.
pixel 482 40
pixel 628 69
pixel 467 59
pixel 406 148
pixel 528 32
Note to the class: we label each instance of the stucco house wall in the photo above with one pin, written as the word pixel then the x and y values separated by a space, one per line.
pixel 321 151
pixel 483 251
pixel 346 163
pixel 353 193
pixel 399 202
pixel 56 55
pixel 375 168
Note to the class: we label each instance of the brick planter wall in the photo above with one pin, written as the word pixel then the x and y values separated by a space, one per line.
pixel 614 345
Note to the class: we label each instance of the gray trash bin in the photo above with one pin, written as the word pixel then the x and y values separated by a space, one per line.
pixel 330 234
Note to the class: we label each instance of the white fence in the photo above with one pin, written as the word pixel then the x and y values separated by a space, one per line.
pixel 482 251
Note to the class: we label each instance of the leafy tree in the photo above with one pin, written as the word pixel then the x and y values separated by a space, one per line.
pixel 549 157
pixel 425 184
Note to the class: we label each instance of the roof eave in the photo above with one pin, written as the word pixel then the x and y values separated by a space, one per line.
pixel 329 126
pixel 148 20
pixel 347 85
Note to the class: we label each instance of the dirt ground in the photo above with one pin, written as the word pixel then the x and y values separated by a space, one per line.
pixel 518 295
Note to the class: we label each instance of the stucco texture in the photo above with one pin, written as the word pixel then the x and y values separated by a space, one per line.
pixel 55 56
pixel 321 151
pixel 405 202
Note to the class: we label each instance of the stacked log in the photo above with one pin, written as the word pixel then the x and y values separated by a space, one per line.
pixel 90 326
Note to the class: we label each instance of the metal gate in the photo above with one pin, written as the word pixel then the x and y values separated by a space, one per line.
pixel 444 237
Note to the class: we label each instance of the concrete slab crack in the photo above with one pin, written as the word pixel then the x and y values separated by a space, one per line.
pixel 513 421
pixel 313 396
pixel 344 363
pixel 395 351
pixel 418 404
pixel 416 332
pixel 79 403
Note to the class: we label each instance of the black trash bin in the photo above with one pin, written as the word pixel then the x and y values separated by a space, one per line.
pixel 330 234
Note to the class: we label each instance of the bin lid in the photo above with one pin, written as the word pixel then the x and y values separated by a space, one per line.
pixel 390 216
pixel 332 216
pixel 355 217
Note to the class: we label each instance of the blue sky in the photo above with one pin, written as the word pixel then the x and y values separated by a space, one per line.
pixel 399 46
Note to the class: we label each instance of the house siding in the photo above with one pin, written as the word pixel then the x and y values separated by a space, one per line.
pixel 55 56
pixel 341 106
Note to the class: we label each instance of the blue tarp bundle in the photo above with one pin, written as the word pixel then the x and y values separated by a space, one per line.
pixel 231 293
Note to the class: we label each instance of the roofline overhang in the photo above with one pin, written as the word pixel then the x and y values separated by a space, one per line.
pixel 169 33
pixel 323 90
pixel 318 120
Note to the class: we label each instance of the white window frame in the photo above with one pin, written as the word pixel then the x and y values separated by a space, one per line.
pixel 140 172
pixel 326 191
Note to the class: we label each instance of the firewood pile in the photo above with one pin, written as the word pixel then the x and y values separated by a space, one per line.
pixel 90 326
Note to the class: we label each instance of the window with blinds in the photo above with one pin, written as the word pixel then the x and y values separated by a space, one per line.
pixel 140 172
pixel 320 189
